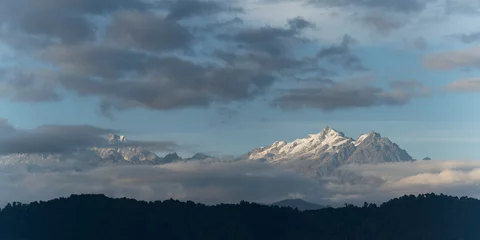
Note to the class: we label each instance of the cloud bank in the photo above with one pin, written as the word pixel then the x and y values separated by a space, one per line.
pixel 215 182
pixel 48 139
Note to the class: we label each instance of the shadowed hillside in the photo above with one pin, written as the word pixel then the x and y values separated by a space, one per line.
pixel 95 217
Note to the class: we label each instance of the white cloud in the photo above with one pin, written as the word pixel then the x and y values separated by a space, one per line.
pixel 448 177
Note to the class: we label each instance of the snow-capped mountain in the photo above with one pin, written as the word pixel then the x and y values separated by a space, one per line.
pixel 120 151
pixel 320 154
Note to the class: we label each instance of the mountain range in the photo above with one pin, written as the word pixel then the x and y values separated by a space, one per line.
pixel 317 155
pixel 321 154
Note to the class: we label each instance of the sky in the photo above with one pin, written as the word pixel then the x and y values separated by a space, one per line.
pixel 224 77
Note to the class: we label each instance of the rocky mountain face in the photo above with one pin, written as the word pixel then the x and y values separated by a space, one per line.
pixel 320 154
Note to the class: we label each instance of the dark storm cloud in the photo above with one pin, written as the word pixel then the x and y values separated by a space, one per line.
pixel 147 31
pixel 342 55
pixel 391 5
pixel 63 19
pixel 342 96
pixel 180 9
pixel 62 139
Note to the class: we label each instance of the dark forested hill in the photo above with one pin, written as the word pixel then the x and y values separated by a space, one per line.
pixel 95 217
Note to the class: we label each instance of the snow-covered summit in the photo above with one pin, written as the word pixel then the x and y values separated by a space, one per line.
pixel 115 139
pixel 328 149
pixel 328 140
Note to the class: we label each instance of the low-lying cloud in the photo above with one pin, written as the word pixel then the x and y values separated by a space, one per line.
pixel 203 182
pixel 216 181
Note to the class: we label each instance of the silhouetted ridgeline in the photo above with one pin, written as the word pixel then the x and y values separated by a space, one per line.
pixel 92 217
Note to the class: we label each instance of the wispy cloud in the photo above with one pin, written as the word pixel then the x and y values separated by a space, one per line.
pixel 469 85
pixel 450 60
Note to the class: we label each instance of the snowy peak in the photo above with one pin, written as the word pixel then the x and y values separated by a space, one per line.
pixel 372 135
pixel 116 139
pixel 328 140
pixel 331 148
pixel 361 139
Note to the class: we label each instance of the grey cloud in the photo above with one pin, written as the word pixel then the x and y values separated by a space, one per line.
pixel 147 31
pixel 48 139
pixel 63 19
pixel 341 49
pixel 390 5
pixel 382 22
pixel 228 112
pixel 131 65
pixel 408 85
pixel 449 60
pixel 215 26
pixel 471 85
pixel 419 43
pixel 271 40
pixel 126 79
pixel 470 38
pixel 342 55
pixel 96 61
pixel 208 183
pixel 28 86
pixel 343 96
pixel 266 62
pixel 462 7
pixel 180 9
pixel 299 23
